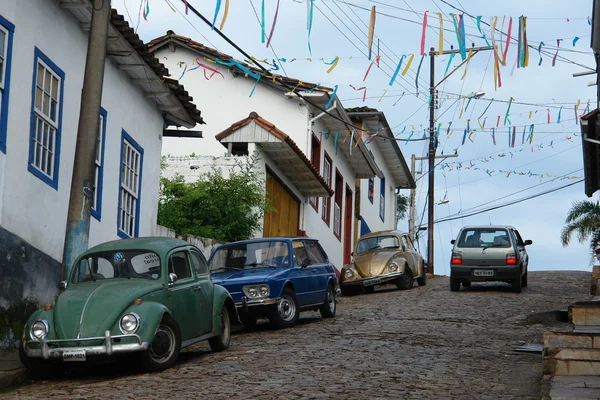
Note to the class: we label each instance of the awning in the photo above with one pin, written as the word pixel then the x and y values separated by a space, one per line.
pixel 281 150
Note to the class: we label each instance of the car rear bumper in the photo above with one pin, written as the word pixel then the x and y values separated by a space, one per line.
pixel 373 280
pixel 498 273
pixel 47 350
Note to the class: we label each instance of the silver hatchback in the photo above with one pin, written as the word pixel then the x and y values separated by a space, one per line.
pixel 489 253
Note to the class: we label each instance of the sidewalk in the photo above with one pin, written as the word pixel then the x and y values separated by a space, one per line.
pixel 12 372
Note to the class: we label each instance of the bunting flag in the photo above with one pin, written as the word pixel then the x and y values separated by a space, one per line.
pixel 441 42
pixel 408 64
pixel 310 22
pixel 479 28
pixel 364 89
pixel 508 37
pixel 423 32
pixel 218 7
pixel 263 35
pixel 331 97
pixel 371 30
pixel 556 54
pixel 449 62
pixel 524 50
pixel 369 68
pixel 272 26
pixel 334 64
pixel 146 10
pixel 459 27
pixel 540 52
pixel 397 70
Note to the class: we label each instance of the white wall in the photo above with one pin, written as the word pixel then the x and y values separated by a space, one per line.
pixel 227 103
pixel 30 208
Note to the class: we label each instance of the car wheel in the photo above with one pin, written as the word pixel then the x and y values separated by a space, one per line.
pixel 328 308
pixel 516 284
pixel 454 284
pixel 165 346
pixel 287 313
pixel 249 321
pixel 221 342
pixel 40 369
pixel 422 280
pixel 524 279
pixel 405 281
pixel 466 283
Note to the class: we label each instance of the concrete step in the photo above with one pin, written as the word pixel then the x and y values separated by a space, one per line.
pixel 571 361
pixel 587 338
pixel 585 313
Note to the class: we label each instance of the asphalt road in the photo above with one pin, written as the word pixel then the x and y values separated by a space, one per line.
pixel 424 343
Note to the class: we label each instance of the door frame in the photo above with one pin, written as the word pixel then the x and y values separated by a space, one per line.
pixel 347 225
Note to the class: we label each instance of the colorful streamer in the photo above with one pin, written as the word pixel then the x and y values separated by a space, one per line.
pixel 225 13
pixel 467 65
pixel 395 74
pixel 449 62
pixel 310 22
pixel 493 133
pixel 531 133
pixel 218 7
pixel 459 27
pixel 334 64
pixel 441 42
pixel 272 26
pixel 508 37
pixel 575 40
pixel 524 60
pixel 506 119
pixel 540 52
pixel 559 111
pixel 186 6
pixel 548 115
pixel 331 97
pixel 479 28
pixel 171 6
pixel 384 92
pixel 423 32
pixel 146 11
pixel 364 88
pixel 369 68
pixel 418 72
pixel 371 30
pixel 556 55
pixel 408 64
pixel 514 135
pixel 488 106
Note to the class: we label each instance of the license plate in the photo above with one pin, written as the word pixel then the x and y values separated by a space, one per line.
pixel 74 355
pixel 371 282
pixel 483 272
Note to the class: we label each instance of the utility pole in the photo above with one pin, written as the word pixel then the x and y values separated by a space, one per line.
pixel 432 144
pixel 84 165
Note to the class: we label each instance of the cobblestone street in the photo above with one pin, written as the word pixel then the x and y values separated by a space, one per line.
pixel 424 343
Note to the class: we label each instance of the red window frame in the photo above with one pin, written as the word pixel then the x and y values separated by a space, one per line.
pixel 326 208
pixel 315 159
pixel 338 196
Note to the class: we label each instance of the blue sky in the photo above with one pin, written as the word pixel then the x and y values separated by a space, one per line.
pixel 340 28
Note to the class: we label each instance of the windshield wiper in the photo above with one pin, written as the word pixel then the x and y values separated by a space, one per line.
pixel 493 245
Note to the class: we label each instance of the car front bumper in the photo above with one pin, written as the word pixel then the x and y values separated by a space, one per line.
pixel 256 306
pixel 46 349
pixel 498 273
pixel 372 281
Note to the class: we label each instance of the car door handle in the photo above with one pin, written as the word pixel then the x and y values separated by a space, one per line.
pixel 314 270
pixel 197 288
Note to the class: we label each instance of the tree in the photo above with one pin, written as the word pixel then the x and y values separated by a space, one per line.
pixel 401 206
pixel 583 220
pixel 215 206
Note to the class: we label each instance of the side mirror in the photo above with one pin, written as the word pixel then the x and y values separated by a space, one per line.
pixel 452 241
pixel 62 285
pixel 528 242
pixel 172 279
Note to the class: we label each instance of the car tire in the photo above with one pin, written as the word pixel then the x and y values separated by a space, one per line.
pixel 249 321
pixel 524 279
pixel 40 369
pixel 422 280
pixel 454 284
pixel 287 312
pixel 165 347
pixel 516 284
pixel 329 307
pixel 221 342
pixel 406 280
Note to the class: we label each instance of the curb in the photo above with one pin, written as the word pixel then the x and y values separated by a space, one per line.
pixel 13 377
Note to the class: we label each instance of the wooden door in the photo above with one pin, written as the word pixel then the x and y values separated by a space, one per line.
pixel 285 219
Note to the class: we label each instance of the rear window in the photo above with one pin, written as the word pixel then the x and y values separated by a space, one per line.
pixel 481 237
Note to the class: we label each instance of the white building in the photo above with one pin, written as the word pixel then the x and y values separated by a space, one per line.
pixel 312 160
pixel 43 47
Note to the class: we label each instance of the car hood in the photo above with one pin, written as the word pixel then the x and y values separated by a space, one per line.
pixel 89 309
pixel 234 281
pixel 373 263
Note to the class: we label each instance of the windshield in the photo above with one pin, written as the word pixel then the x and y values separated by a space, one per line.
pixel 484 238
pixel 378 242
pixel 139 264
pixel 250 255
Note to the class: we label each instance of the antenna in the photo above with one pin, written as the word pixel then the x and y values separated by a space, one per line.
pixel 490 220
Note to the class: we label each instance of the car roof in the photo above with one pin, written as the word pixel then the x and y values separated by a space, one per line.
pixel 268 239
pixel 380 233
pixel 489 227
pixel 158 244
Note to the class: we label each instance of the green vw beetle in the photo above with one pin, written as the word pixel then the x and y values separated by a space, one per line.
pixel 149 296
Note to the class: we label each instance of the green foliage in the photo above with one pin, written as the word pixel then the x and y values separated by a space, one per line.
pixel 583 221
pixel 218 207
pixel 402 206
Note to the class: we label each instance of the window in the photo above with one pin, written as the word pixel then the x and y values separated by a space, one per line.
pixel 132 157
pixel 180 265
pixel 405 243
pixel 300 253
pixel 315 252
pixel 382 200
pixel 96 205
pixel 315 159
pixel 6 38
pixel 46 119
pixel 200 263
pixel 337 207
pixel 326 209
pixel 371 189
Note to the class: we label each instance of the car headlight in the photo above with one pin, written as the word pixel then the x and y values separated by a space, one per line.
pixel 349 273
pixel 393 267
pixel 130 323
pixel 257 291
pixel 39 330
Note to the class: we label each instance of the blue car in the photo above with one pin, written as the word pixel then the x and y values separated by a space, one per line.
pixel 276 278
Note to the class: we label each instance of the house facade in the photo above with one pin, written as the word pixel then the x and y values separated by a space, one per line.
pixel 311 159
pixel 43 47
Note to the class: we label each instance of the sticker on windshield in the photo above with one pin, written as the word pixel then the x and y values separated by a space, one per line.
pixel 119 256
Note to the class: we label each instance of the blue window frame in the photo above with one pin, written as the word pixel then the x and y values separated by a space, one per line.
pixel 382 200
pixel 371 189
pixel 96 207
pixel 46 119
pixel 7 30
pixel 130 184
